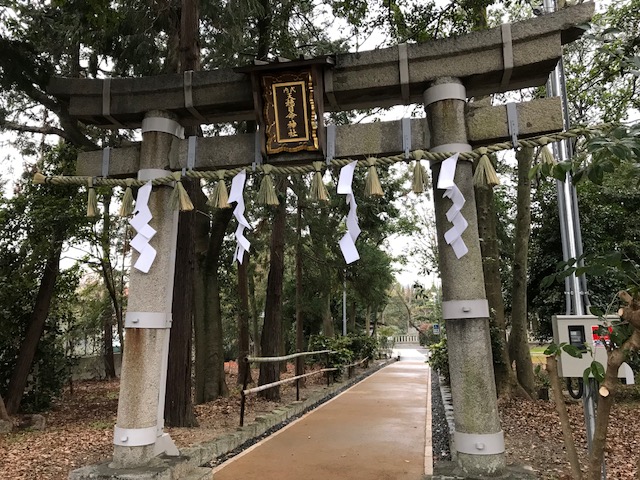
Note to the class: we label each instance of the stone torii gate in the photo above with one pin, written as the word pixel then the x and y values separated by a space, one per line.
pixel 442 75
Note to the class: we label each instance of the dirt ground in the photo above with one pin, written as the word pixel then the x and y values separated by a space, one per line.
pixel 80 428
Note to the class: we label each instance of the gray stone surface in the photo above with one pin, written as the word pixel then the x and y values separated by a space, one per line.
pixel 360 80
pixel 485 125
pixel 142 378
pixel 451 471
pixel 468 342
pixel 5 427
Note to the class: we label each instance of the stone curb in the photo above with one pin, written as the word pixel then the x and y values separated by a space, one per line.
pixel 200 458
pixel 445 392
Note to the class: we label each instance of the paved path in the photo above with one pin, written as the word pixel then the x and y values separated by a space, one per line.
pixel 376 430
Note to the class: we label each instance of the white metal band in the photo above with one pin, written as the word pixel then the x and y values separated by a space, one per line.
pixel 152 173
pixel 106 158
pixel 479 444
pixel 135 437
pixel 512 122
pixel 456 309
pixel 445 91
pixel 187 83
pixel 507 54
pixel 148 320
pixel 403 65
pixel 451 147
pixel 162 124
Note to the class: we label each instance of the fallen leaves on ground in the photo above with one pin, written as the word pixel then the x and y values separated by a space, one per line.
pixel 533 436
pixel 79 431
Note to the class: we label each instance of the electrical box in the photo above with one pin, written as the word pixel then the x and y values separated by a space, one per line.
pixel 581 331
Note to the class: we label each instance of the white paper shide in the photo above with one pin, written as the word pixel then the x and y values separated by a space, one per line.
pixel 236 195
pixel 144 232
pixel 348 242
pixel 453 236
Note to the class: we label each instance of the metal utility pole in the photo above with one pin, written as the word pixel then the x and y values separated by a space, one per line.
pixel 576 298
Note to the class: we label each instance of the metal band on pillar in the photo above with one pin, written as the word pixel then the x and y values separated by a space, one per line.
pixel 135 437
pixel 456 309
pixel 445 91
pixel 331 143
pixel 507 54
pixel 147 320
pixel 152 173
pixel 479 444
pixel 406 137
pixel 164 125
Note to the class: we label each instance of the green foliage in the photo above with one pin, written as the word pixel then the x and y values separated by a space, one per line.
pixel 439 358
pixel 345 350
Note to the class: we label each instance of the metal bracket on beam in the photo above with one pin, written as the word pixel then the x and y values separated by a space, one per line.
pixel 147 320
pixel 507 54
pixel 445 91
pixel 135 437
pixel 192 146
pixel 106 158
pixel 187 83
pixel 328 89
pixel 257 155
pixel 106 103
pixel 479 444
pixel 331 143
pixel 406 137
pixel 403 65
pixel 164 125
pixel 512 121
pixel 457 309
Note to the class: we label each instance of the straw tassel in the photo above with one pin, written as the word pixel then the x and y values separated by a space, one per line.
pixel 420 177
pixel 39 178
pixel 267 194
pixel 179 196
pixel 546 156
pixel 92 200
pixel 318 191
pixel 126 208
pixel 220 197
pixel 372 187
pixel 485 174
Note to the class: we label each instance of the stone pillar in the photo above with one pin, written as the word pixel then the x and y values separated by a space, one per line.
pixel 478 440
pixel 138 435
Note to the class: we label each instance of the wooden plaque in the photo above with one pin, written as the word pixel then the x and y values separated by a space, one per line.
pixel 290 115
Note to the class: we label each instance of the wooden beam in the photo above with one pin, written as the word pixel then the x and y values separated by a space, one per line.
pixel 485 125
pixel 360 80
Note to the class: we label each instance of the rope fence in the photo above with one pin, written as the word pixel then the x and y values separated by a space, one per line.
pixel 299 375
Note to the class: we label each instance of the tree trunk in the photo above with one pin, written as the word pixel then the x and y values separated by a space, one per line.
pixel 109 280
pixel 518 340
pixel 178 400
pixel 352 317
pixel 506 382
pixel 327 320
pixel 210 378
pixel 367 321
pixel 4 416
pixel 254 313
pixel 244 369
pixel 561 408
pixel 271 331
pixel 107 345
pixel 37 321
pixel 299 318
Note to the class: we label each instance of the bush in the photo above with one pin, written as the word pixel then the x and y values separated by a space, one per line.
pixel 346 350
pixel 439 359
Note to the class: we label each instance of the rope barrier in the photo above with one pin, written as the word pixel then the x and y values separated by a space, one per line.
pixel 284 358
pixel 267 386
pixel 218 174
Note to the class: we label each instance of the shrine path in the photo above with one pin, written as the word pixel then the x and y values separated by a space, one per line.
pixel 379 429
